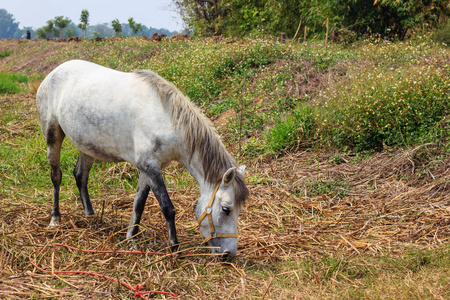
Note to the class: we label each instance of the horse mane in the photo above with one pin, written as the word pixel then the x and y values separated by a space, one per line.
pixel 197 133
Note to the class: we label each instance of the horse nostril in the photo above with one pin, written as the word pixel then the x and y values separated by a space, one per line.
pixel 226 256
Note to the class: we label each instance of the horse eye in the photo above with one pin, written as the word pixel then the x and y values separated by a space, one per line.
pixel 226 210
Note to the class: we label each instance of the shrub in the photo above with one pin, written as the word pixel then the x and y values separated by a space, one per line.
pixel 391 113
pixel 442 35
pixel 345 36
pixel 295 131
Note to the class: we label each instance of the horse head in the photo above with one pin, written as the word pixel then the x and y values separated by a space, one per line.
pixel 218 217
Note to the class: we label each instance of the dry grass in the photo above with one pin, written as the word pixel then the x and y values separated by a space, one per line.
pixel 290 246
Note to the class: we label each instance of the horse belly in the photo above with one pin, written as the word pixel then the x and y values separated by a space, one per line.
pixel 101 140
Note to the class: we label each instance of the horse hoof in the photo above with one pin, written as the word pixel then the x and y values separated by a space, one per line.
pixel 174 248
pixel 54 222
pixel 134 243
pixel 136 247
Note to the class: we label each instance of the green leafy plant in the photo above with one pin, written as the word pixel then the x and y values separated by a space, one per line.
pixel 293 132
pixel 337 189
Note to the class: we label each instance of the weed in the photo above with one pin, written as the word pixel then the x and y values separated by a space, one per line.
pixel 333 188
pixel 293 132
pixel 336 159
pixel 362 156
pixel 442 34
pixel 256 178
pixel 253 148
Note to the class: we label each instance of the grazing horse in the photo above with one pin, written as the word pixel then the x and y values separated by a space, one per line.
pixel 143 119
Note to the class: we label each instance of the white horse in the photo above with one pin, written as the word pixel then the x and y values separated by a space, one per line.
pixel 143 119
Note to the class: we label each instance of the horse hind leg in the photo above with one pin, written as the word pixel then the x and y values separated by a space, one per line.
pixel 142 192
pixel 55 136
pixel 81 173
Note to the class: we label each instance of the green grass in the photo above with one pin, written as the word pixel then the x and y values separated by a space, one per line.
pixel 394 97
pixel 11 83
pixel 333 188
pixel 399 110
pixel 5 53
pixel 292 132
pixel 288 96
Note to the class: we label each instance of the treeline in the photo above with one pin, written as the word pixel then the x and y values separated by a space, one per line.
pixel 61 26
pixel 358 17
pixel 9 28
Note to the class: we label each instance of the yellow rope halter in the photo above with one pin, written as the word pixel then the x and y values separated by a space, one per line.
pixel 207 212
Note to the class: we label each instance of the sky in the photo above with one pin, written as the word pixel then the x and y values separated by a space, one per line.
pixel 151 13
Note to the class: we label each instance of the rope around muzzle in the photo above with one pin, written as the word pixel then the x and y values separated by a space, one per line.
pixel 207 212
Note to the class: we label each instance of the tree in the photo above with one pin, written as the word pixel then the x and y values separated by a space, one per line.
pixel 8 28
pixel 50 29
pixel 42 33
pixel 70 32
pixel 61 23
pixel 117 27
pixel 136 27
pixel 241 17
pixel 204 16
pixel 102 30
pixel 84 19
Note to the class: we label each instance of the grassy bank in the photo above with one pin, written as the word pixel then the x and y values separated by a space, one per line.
pixel 347 151
pixel 288 95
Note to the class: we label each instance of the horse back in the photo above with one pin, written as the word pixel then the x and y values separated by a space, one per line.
pixel 110 115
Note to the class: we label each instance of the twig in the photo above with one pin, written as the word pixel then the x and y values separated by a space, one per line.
pixel 298 28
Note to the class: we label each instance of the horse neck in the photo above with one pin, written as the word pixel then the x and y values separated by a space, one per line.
pixel 194 165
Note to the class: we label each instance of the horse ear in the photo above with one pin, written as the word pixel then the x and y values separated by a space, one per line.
pixel 228 176
pixel 241 170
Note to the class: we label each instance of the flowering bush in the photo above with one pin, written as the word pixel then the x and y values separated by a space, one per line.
pixel 394 100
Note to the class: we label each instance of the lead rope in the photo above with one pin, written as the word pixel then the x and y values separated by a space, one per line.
pixel 207 212
pixel 136 289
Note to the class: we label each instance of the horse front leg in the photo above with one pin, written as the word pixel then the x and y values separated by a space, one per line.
pixel 156 182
